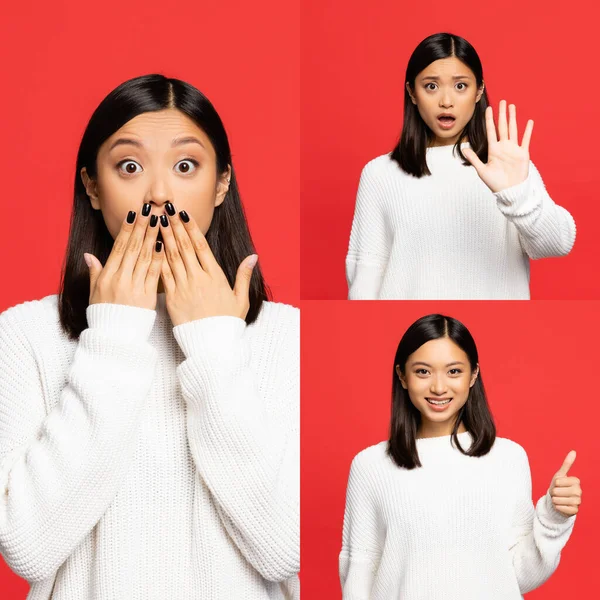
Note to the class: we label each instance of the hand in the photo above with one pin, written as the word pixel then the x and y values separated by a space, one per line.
pixel 195 285
pixel 566 491
pixel 508 163
pixel 130 275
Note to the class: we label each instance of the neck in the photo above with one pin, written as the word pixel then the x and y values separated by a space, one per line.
pixel 446 141
pixel 429 429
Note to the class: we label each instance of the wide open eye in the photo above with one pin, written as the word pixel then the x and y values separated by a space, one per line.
pixel 127 170
pixel 187 169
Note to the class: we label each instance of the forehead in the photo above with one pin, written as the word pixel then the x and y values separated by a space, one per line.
pixel 443 350
pixel 450 67
pixel 159 128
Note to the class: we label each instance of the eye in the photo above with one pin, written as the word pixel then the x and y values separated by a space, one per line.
pixel 455 371
pixel 127 161
pixel 464 86
pixel 427 86
pixel 187 169
pixel 421 371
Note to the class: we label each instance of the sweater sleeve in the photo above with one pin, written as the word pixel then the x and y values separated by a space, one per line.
pixel 538 536
pixel 369 246
pixel 59 469
pixel 545 229
pixel 362 537
pixel 243 432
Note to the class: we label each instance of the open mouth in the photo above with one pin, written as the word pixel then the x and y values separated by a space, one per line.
pixel 446 120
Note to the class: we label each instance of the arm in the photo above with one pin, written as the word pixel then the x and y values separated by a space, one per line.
pixel 369 246
pixel 244 433
pixel 59 471
pixel 538 536
pixel 362 538
pixel 545 229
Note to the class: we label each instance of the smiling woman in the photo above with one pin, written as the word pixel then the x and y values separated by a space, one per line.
pixel 457 209
pixel 149 446
pixel 444 508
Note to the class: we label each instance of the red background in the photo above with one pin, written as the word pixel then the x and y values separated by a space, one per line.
pixel 354 58
pixel 66 57
pixel 539 362
pixel 61 59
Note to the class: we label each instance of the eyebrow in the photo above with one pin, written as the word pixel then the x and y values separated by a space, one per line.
pixel 174 143
pixel 456 362
pixel 455 77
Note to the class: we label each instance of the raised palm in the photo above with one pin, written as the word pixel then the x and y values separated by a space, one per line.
pixel 508 162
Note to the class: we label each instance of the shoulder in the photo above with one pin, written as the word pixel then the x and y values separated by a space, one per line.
pixel 370 457
pixel 31 315
pixel 276 330
pixel 512 452
pixel 380 166
pixel 277 315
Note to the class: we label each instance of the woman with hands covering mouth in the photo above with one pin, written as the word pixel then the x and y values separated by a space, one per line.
pixel 443 509
pixel 149 445
pixel 457 209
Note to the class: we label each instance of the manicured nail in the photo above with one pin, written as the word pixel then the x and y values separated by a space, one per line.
pixel 184 216
pixel 153 221
pixel 252 261
pixel 130 216
pixel 146 209
pixel 88 259
pixel 164 221
pixel 170 209
pixel 158 245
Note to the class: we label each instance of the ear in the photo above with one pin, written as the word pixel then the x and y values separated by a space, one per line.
pixel 480 92
pixel 474 376
pixel 223 185
pixel 410 93
pixel 91 188
pixel 401 377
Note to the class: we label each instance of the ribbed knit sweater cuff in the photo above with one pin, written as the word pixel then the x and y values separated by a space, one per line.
pixel 121 321
pixel 213 338
pixel 519 199
pixel 551 518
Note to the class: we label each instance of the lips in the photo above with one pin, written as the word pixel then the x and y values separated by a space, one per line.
pixel 438 401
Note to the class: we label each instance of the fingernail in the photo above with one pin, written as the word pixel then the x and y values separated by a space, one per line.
pixel 146 209
pixel 170 209
pixel 184 216
pixel 158 245
pixel 252 261
pixel 164 221
pixel 88 259
pixel 153 221
pixel 130 216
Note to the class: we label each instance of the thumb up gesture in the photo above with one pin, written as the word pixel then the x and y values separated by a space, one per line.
pixel 565 491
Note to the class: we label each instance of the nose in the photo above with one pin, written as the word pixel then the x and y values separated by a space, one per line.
pixel 438 385
pixel 158 194
pixel 446 99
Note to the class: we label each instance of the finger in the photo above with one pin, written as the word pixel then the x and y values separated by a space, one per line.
pixel 166 274
pixel 568 510
pixel 243 278
pixel 566 492
pixel 136 240
pixel 203 252
pixel 565 482
pixel 155 269
pixel 567 501
pixel 472 157
pixel 172 255
pixel 113 262
pixel 147 251
pixel 527 135
pixel 567 464
pixel 502 127
pixel 184 242
pixel 95 268
pixel 490 127
pixel 513 134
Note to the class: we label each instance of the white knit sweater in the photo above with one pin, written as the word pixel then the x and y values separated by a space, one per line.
pixel 446 235
pixel 147 461
pixel 458 527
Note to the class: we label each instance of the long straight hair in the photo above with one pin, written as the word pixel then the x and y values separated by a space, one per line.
pixel 411 150
pixel 228 235
pixel 475 414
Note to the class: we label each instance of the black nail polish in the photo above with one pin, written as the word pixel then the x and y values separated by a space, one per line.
pixel 184 216
pixel 158 245
pixel 164 221
pixel 130 216
pixel 170 209
pixel 153 221
pixel 146 209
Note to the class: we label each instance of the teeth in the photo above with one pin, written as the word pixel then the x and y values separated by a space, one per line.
pixel 438 402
